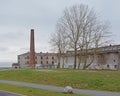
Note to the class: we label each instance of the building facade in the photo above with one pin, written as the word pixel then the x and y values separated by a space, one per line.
pixel 107 57
pixel 44 60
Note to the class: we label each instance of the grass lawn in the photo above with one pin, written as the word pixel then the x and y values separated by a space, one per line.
pixel 32 91
pixel 95 80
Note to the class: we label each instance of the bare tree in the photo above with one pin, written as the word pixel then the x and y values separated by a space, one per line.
pixel 94 37
pixel 76 22
pixel 59 43
pixel 83 30
pixel 101 38
pixel 72 23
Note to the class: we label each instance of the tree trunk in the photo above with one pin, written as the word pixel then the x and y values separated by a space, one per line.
pixel 85 63
pixel 59 58
pixel 63 62
pixel 75 57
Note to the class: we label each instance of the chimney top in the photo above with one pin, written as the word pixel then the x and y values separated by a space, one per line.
pixel 32 30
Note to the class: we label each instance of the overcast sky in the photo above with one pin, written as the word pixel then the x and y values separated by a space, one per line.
pixel 17 17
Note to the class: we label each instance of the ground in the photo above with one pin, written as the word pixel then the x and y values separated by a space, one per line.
pixel 93 80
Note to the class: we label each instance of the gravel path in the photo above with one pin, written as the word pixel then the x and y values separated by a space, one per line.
pixel 61 89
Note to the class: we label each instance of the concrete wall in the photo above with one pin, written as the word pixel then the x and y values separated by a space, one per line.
pixel 108 61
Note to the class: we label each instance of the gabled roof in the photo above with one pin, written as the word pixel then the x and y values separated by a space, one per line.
pixel 46 54
pixel 104 49
pixel 15 64
pixel 39 54
pixel 24 54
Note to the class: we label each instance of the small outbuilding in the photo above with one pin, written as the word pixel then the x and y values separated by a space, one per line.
pixel 16 66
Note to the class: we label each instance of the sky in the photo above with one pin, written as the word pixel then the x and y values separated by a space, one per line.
pixel 18 17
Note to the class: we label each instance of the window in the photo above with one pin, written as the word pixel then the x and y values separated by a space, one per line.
pixel 115 66
pixel 35 57
pixel 46 62
pixel 41 57
pixel 108 66
pixel 27 57
pixel 52 62
pixel 114 60
pixel 41 62
pixel 46 57
pixel 27 62
pixel 18 57
pixel 52 57
pixel 35 62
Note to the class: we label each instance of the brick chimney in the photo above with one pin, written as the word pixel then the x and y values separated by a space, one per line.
pixel 32 50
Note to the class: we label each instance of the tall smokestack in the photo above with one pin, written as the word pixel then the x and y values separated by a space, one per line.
pixel 32 50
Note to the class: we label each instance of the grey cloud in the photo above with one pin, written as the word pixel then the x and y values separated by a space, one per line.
pixel 31 12
pixel 17 17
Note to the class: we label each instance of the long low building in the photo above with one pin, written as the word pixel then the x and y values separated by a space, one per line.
pixel 107 57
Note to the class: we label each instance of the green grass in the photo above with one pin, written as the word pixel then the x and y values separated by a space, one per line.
pixel 32 91
pixel 95 80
